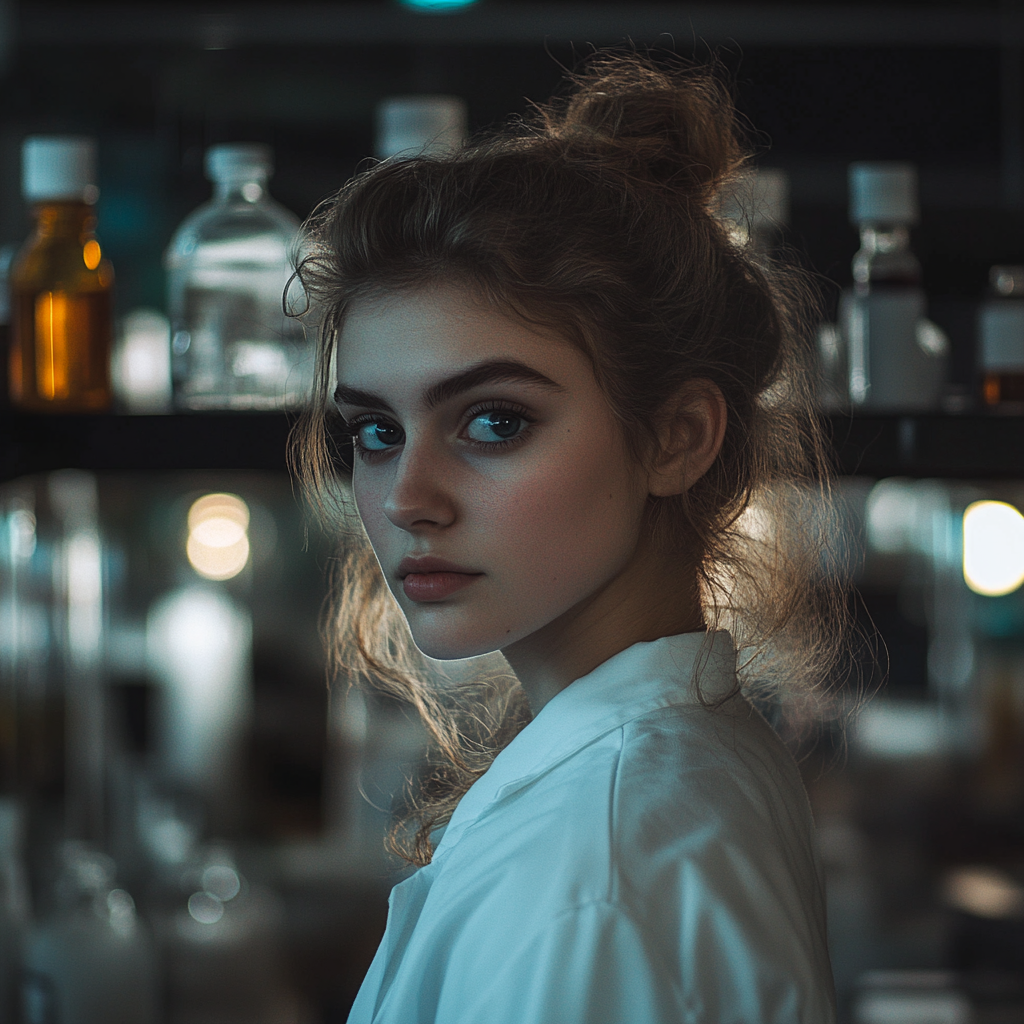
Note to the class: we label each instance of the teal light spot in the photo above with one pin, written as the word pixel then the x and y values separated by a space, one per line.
pixel 1000 617
pixel 437 6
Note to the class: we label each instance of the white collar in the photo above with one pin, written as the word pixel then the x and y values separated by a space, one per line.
pixel 640 679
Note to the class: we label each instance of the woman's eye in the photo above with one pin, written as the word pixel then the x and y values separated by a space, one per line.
pixel 378 436
pixel 495 426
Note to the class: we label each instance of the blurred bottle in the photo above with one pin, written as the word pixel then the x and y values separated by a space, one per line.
pixel 7 254
pixel 229 264
pixel 221 947
pixel 1001 337
pixel 897 359
pixel 61 286
pixel 142 363
pixel 91 961
pixel 756 209
pixel 14 907
pixel 419 125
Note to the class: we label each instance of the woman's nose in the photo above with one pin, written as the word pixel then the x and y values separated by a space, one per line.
pixel 420 495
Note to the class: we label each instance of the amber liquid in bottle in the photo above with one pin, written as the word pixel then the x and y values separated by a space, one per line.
pixel 62 321
pixel 999 388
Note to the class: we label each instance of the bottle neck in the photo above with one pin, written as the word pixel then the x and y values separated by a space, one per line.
pixel 885 258
pixel 64 219
pixel 884 238
pixel 250 187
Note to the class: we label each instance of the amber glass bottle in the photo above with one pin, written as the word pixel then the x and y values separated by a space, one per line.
pixel 61 287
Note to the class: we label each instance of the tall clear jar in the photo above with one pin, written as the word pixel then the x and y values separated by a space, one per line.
pixel 229 264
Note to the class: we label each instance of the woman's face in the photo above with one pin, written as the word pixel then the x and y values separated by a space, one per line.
pixel 490 471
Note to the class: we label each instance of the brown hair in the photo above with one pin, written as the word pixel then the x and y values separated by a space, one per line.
pixel 596 219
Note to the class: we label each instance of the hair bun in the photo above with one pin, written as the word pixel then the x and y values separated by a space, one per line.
pixel 674 128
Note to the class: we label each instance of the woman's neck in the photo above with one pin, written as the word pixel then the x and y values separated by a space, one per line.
pixel 654 596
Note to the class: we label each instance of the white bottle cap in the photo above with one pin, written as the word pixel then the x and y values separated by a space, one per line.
pixel 59 167
pixel 883 193
pixel 233 160
pixel 418 125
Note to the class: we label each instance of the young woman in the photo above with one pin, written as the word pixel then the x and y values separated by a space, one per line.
pixel 583 438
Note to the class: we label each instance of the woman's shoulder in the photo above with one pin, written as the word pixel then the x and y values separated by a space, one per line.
pixel 711 793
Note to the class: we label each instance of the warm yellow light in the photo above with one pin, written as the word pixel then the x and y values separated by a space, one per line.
pixel 993 548
pixel 91 254
pixel 218 543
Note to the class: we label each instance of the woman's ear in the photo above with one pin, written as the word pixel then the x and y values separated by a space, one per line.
pixel 690 436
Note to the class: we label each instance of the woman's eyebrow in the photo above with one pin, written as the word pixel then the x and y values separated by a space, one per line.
pixel 494 371
pixel 344 395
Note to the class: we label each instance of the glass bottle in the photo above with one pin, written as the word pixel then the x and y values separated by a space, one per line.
pixel 14 905
pixel 61 286
pixel 896 358
pixel 1001 336
pixel 228 265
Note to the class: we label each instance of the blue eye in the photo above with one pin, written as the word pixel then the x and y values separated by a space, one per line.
pixel 378 436
pixel 497 425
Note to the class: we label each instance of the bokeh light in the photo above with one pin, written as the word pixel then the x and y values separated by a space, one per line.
pixel 205 908
pixel 218 539
pixel 993 548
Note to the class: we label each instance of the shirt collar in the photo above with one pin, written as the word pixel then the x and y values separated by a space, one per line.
pixel 640 679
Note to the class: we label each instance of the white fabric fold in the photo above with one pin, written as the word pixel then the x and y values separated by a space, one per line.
pixel 642 852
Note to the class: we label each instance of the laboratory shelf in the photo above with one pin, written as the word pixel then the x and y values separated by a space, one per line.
pixel 137 444
pixel 977 445
pixel 981 446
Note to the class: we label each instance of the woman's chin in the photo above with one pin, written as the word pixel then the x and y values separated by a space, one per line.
pixel 442 647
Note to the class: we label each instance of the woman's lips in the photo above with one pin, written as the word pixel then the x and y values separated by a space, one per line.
pixel 436 586
pixel 428 578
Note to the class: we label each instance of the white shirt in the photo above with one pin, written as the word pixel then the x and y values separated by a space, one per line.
pixel 632 857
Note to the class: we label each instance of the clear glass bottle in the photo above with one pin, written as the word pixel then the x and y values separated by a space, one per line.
pixel 896 358
pixel 61 286
pixel 1001 340
pixel 228 266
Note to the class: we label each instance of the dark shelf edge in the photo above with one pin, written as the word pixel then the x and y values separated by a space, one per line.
pixel 977 446
pixel 132 444
pixel 973 446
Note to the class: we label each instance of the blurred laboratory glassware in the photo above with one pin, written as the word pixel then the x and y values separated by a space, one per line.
pixel 7 254
pixel 755 208
pixel 229 265
pixel 14 905
pixel 911 997
pixel 61 285
pixel 833 371
pixel 74 498
pixel 1001 340
pixel 199 645
pixel 142 362
pixel 92 960
pixel 221 942
pixel 420 125
pixel 897 359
